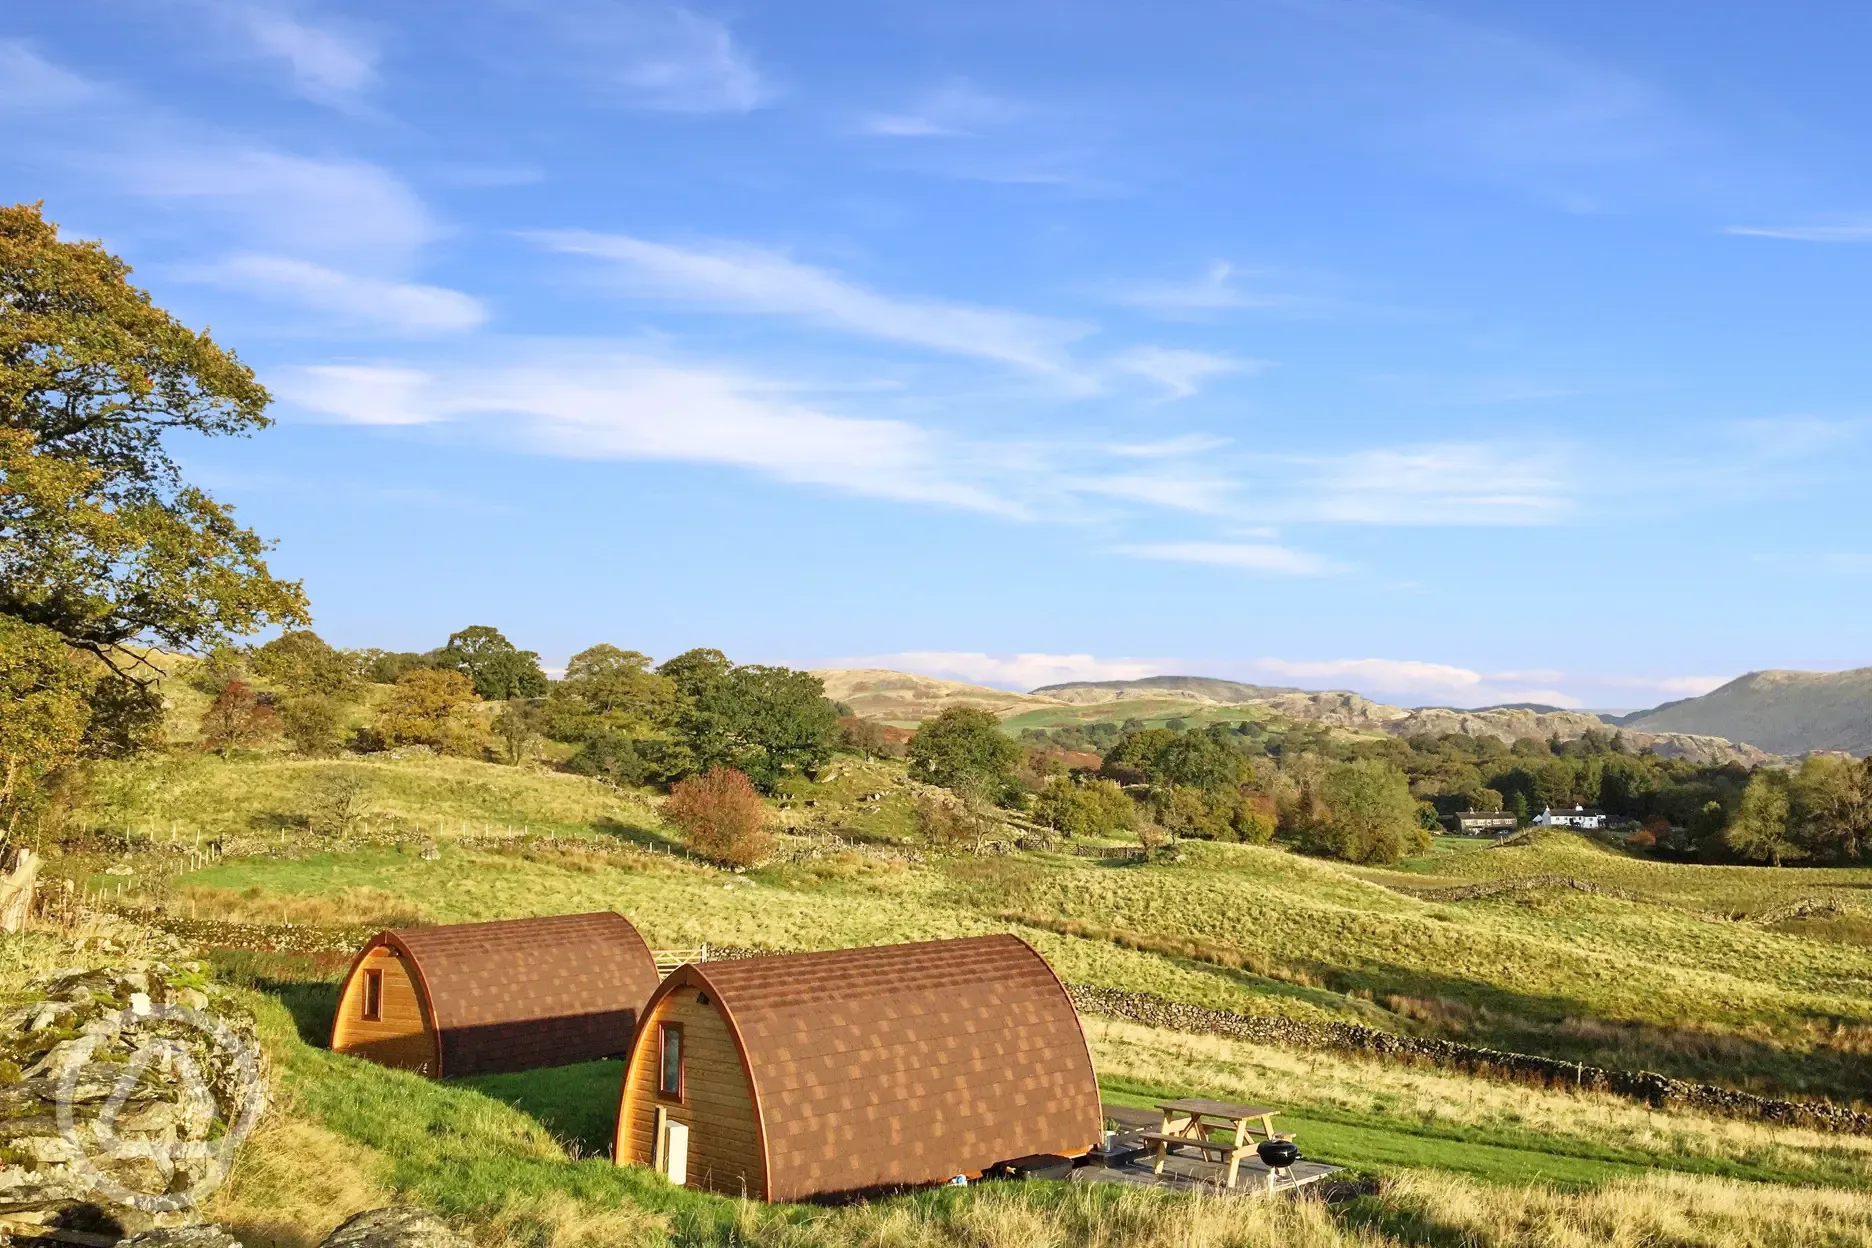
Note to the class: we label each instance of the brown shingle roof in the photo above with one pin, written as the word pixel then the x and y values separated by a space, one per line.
pixel 906 1064
pixel 522 993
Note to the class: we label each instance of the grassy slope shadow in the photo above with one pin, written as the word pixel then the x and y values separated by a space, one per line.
pixel 576 1104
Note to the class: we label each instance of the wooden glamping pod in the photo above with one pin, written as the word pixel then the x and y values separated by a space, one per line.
pixel 815 1074
pixel 478 998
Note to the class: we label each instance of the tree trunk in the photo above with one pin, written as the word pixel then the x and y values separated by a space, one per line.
pixel 19 871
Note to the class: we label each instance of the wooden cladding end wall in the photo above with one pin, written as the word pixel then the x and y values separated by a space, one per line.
pixel 717 1104
pixel 402 1035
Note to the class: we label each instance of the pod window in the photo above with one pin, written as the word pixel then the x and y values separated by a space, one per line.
pixel 670 1061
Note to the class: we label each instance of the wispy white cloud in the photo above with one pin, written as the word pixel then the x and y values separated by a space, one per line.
pixel 1452 483
pixel 1004 671
pixel 956 110
pixel 281 200
pixel 1166 448
pixel 620 406
pixel 1181 372
pixel 339 232
pixel 404 307
pixel 30 83
pixel 1847 232
pixel 326 63
pixel 1172 486
pixel 362 394
pixel 663 57
pixel 1248 556
pixel 749 279
pixel 1216 290
pixel 1413 678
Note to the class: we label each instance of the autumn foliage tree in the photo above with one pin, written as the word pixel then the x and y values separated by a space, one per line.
pixel 42 717
pixel 101 541
pixel 237 717
pixel 721 816
pixel 423 710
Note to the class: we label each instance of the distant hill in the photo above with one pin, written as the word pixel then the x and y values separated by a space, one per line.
pixel 1195 688
pixel 899 697
pixel 1785 712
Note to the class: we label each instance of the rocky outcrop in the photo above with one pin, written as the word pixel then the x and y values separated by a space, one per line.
pixel 123 1094
pixel 183 1237
pixel 395 1226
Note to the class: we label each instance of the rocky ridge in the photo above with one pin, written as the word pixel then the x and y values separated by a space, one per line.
pixel 902 697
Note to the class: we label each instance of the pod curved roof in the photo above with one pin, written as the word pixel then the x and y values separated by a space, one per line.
pixel 516 994
pixel 900 1065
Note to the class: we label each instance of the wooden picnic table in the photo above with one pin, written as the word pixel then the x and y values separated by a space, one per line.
pixel 1188 1121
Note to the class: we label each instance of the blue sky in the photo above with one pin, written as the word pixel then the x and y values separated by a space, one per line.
pixel 1452 354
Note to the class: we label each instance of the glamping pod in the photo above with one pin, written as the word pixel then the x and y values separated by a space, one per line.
pixel 478 998
pixel 817 1074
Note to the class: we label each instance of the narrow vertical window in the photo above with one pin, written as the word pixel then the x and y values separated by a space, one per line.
pixel 373 996
pixel 669 1061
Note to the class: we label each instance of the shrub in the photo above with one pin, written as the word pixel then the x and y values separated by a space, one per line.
pixel 955 823
pixel 1185 811
pixel 422 711
pixel 340 804
pixel 721 816
pixel 611 756
pixel 870 738
pixel 1253 819
pixel 1100 808
pixel 310 722
pixel 1368 814
pixel 235 718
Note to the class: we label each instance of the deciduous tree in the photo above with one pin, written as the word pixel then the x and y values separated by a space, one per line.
pixel 964 748
pixel 422 710
pixel 101 541
pixel 1369 814
pixel 768 722
pixel 721 817
pixel 237 717
pixel 43 714
pixel 498 669
pixel 1759 831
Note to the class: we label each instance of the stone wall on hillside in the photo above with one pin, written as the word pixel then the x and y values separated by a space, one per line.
pixel 1654 1089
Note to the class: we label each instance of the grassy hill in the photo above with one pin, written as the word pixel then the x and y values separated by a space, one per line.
pixel 1784 712
pixel 1191 688
pixel 1690 970
pixel 907 699
pixel 1747 976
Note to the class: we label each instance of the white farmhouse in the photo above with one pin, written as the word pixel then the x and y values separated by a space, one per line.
pixel 1570 817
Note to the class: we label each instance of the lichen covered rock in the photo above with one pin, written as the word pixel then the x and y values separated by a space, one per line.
pixel 124 1091
pixel 395 1226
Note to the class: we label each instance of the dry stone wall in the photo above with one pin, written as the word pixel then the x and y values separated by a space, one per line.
pixel 1661 1091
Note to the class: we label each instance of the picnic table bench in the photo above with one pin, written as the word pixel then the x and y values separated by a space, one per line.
pixel 1188 1121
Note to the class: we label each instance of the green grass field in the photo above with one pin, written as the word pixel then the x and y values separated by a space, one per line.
pixel 1740 975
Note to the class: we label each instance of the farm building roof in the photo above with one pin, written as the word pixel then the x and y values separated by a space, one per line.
pixel 904 1064
pixel 520 993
